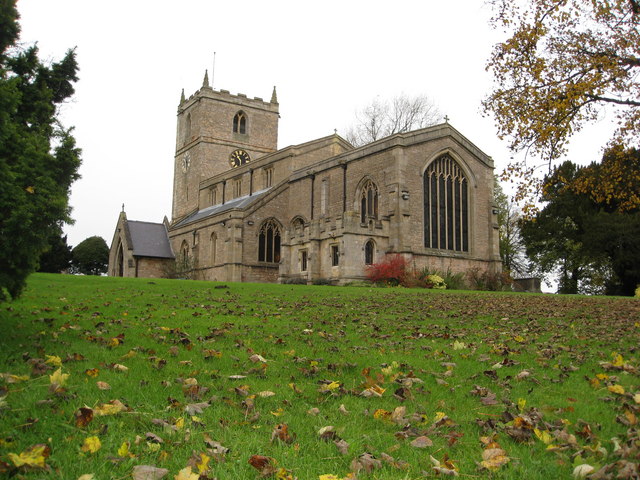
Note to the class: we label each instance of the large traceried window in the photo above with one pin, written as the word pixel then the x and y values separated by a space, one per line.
pixel 240 123
pixel 369 202
pixel 269 242
pixel 446 206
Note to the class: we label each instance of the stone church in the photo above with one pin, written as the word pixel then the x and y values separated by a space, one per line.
pixel 246 211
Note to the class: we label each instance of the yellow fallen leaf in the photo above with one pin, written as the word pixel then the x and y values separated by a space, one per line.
pixel 111 408
pixel 123 451
pixel 381 413
pixel 203 463
pixel 458 345
pixel 522 402
pixel 636 398
pixel 58 377
pixel 53 360
pixel 87 476
pixel 186 474
pixel 91 444
pixel 34 456
pixel 543 435
pixel 439 416
pixel 11 378
pixel 618 361
pixel 278 412
pixel 330 387
pixel 619 389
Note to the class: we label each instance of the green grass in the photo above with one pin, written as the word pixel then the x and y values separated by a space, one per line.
pixel 451 342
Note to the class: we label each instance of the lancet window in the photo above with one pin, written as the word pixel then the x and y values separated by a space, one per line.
pixel 240 123
pixel 368 202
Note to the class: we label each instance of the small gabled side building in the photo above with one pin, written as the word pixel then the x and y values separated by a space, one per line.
pixel 140 249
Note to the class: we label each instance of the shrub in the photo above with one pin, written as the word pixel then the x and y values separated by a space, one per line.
pixel 485 280
pixel 392 270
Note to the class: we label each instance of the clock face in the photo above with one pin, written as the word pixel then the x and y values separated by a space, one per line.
pixel 238 158
pixel 186 161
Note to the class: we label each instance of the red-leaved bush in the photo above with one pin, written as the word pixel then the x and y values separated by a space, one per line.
pixel 392 270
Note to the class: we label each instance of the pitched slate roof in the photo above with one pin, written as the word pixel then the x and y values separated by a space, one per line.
pixel 241 202
pixel 149 239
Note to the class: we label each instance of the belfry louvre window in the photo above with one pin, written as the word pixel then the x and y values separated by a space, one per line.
pixel 369 202
pixel 446 206
pixel 269 242
pixel 240 123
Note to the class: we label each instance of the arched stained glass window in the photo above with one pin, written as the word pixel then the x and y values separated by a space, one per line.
pixel 368 202
pixel 446 206
pixel 269 242
pixel 240 123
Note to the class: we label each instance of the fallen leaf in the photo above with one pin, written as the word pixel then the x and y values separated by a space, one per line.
pixel 196 408
pixel 103 385
pixel 148 472
pixel 83 416
pixel 34 456
pixel 111 408
pixel 366 462
pixel 53 360
pixel 199 462
pixel 619 389
pixel 581 471
pixel 342 446
pixel 86 476
pixel 186 474
pixel 265 465
pixel 281 433
pixel 421 442
pixel 59 378
pixel 494 458
pixel 91 444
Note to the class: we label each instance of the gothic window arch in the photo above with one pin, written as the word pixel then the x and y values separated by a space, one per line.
pixel 269 242
pixel 446 206
pixel 369 252
pixel 240 123
pixel 368 201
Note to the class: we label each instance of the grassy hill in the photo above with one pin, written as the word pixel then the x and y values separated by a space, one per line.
pixel 105 375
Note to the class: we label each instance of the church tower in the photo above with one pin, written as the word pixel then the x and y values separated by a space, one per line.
pixel 216 132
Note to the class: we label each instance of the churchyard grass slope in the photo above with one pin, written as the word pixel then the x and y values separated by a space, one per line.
pixel 117 378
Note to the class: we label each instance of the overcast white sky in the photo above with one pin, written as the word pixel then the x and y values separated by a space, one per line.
pixel 327 59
